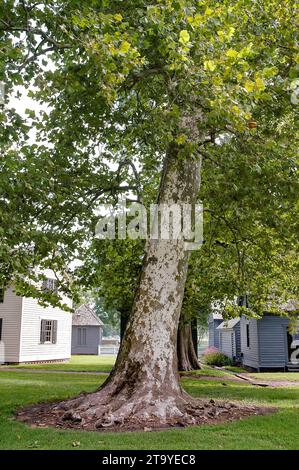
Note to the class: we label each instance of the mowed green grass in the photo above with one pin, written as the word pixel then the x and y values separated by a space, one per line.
pixel 207 371
pixel 277 376
pixel 76 364
pixel 275 431
pixel 105 364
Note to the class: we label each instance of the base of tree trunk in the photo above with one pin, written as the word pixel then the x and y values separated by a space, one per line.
pixel 105 411
pixel 187 358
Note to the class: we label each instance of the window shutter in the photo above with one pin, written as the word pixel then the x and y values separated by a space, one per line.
pixel 42 331
pixel 1 321
pixel 84 336
pixel 79 336
pixel 54 335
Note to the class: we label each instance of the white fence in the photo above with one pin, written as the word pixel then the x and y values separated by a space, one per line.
pixel 108 349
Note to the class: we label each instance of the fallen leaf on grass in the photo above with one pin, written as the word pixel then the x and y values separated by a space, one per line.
pixel 35 445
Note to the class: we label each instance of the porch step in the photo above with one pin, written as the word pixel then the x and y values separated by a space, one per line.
pixel 293 367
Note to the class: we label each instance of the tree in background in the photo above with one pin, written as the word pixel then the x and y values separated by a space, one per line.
pixel 109 316
pixel 158 85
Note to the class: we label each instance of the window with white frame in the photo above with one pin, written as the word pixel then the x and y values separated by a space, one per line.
pixel 48 331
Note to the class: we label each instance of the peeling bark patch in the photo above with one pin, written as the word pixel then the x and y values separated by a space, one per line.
pixel 190 413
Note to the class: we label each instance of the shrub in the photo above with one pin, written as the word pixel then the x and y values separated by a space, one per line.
pixel 217 358
pixel 209 350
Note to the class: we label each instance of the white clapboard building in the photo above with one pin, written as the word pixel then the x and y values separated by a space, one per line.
pixel 30 332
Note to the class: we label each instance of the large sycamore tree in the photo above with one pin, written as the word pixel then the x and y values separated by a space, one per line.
pixel 135 85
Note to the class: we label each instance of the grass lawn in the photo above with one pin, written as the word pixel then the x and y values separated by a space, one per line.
pixel 208 371
pixel 237 369
pixel 100 364
pixel 105 363
pixel 277 431
pixel 279 376
pixel 76 364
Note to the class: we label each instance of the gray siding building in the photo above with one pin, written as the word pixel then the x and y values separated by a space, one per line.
pixel 87 331
pixel 215 319
pixel 230 338
pixel 266 342
pixel 261 344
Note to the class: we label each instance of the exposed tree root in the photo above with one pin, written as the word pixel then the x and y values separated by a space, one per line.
pixel 100 411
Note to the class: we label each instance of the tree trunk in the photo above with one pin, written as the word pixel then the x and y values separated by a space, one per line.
pixel 187 357
pixel 143 388
pixel 186 345
pixel 145 379
pixel 124 318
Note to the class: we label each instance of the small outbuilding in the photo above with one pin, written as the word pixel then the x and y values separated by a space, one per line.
pixel 215 319
pixel 87 331
pixel 229 332
pixel 267 342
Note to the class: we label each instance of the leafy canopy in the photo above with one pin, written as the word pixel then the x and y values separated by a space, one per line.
pixel 118 82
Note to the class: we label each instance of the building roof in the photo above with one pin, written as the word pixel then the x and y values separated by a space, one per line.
pixel 228 324
pixel 85 316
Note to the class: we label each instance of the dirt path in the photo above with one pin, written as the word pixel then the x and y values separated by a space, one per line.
pixel 47 371
pixel 264 383
pixel 209 377
pixel 239 379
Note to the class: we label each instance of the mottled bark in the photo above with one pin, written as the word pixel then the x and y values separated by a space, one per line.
pixel 187 357
pixel 186 348
pixel 144 385
pixel 146 370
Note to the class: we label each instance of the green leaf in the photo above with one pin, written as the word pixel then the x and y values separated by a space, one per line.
pixel 184 36
pixel 124 47
pixel 260 84
pixel 118 17
pixel 249 86
pixel 232 53
pixel 209 65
